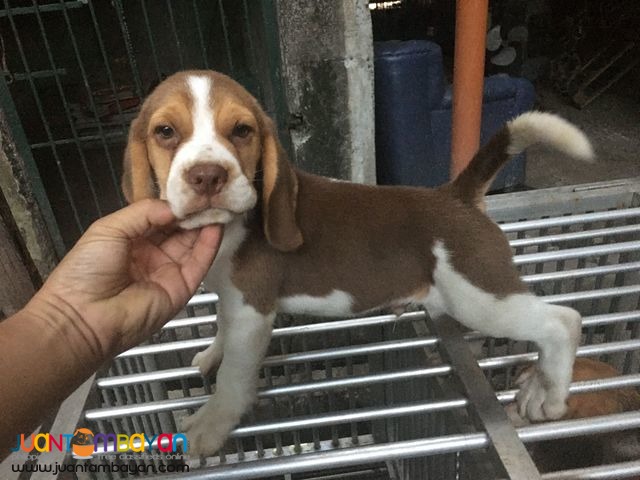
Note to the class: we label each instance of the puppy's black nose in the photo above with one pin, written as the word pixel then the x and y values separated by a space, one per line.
pixel 206 178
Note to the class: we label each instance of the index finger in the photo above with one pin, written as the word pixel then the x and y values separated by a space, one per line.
pixel 137 220
pixel 204 251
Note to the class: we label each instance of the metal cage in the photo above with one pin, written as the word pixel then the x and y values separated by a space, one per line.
pixel 402 397
pixel 75 73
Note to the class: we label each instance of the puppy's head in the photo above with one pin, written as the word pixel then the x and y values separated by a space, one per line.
pixel 198 142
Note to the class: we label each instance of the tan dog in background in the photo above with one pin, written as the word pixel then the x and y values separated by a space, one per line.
pixel 593 450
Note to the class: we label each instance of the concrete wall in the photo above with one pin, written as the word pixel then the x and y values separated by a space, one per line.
pixel 327 70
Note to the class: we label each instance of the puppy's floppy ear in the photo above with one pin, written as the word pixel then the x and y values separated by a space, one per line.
pixel 137 180
pixel 279 193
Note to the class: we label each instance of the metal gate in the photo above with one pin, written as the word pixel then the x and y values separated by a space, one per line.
pixel 75 72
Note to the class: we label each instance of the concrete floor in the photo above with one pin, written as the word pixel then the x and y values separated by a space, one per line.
pixel 612 122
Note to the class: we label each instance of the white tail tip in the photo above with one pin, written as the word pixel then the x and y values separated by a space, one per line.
pixel 549 129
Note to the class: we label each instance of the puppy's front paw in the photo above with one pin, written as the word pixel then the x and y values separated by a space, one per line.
pixel 207 430
pixel 537 400
pixel 207 360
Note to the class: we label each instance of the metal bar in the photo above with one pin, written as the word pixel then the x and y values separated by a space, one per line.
pixel 113 137
pixel 145 408
pixel 614 471
pixel 332 326
pixel 606 184
pixel 174 30
pixel 156 348
pixel 287 359
pixel 203 45
pixel 592 294
pixel 609 347
pixel 248 29
pixel 586 386
pixel 349 323
pixel 611 318
pixel 508 450
pixel 124 29
pixel 12 77
pixel 583 426
pixel 152 43
pixel 202 299
pixel 48 7
pixel 225 33
pixel 190 322
pixel 571 236
pixel 581 272
pixel 570 220
pixel 583 351
pixel 350 351
pixel 550 256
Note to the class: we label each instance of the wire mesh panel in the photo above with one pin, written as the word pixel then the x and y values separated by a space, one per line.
pixel 78 71
pixel 374 397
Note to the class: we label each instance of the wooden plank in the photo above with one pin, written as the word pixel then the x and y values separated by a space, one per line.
pixel 16 287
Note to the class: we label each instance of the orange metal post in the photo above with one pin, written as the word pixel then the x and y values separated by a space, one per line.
pixel 468 77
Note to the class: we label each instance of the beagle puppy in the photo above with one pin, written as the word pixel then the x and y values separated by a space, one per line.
pixel 302 244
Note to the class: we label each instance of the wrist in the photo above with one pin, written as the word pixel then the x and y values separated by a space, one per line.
pixel 64 324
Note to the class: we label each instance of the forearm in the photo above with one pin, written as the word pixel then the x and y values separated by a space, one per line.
pixel 44 356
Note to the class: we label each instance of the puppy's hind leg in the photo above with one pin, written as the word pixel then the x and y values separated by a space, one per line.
pixel 556 331
pixel 520 316
pixel 543 392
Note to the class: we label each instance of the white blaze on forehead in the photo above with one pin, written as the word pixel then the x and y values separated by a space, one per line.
pixel 201 112
pixel 203 142
pixel 204 146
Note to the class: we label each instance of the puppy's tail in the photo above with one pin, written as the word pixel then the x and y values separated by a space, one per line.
pixel 515 137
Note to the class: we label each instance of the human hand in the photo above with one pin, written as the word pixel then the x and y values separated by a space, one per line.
pixel 126 276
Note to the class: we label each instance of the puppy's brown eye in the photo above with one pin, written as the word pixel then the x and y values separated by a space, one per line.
pixel 241 130
pixel 165 131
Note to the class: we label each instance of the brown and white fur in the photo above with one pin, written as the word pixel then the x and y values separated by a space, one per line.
pixel 303 244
